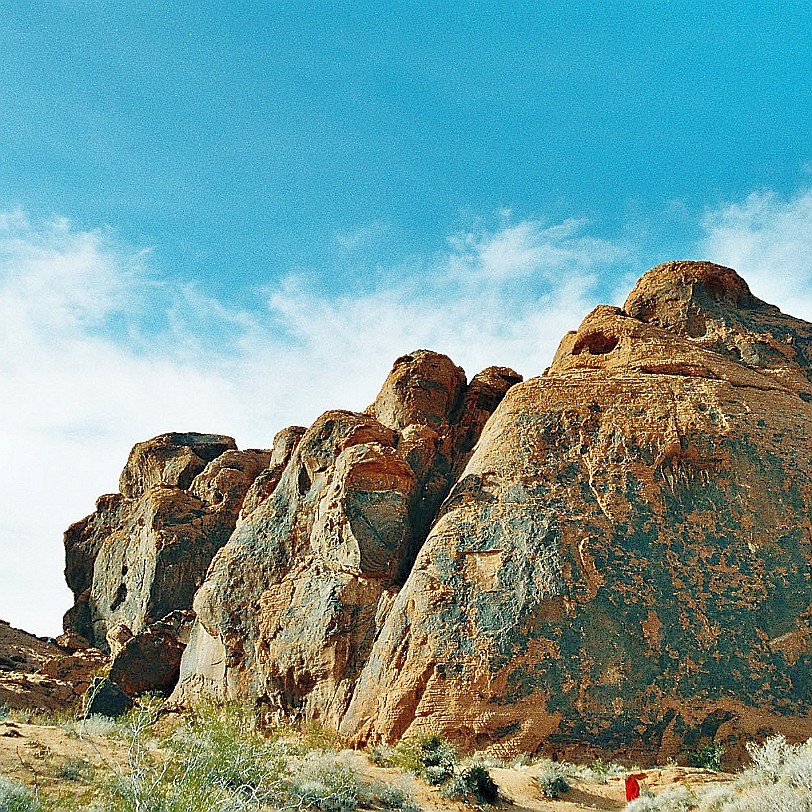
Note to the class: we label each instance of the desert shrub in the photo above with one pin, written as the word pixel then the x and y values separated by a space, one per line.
pixel 215 761
pixel 673 799
pixel 389 796
pixel 382 755
pixel 325 784
pixel 769 759
pixel 778 780
pixel 472 783
pixel 430 756
pixel 14 797
pixel 719 799
pixel 3 712
pixel 225 752
pixel 317 736
pixel 775 761
pixel 491 761
pixel 94 727
pixel 708 757
pixel 551 781
pixel 74 769
pixel 600 770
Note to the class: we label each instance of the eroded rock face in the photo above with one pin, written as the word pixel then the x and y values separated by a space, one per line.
pixel 611 558
pixel 293 602
pixel 144 552
pixel 36 673
pixel 284 444
pixel 624 563
pixel 170 459
pixel 150 660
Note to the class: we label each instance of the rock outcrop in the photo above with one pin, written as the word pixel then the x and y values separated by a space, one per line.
pixel 37 673
pixel 624 564
pixel 293 602
pixel 613 557
pixel 139 559
pixel 145 551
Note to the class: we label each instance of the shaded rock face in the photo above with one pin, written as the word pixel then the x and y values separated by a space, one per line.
pixel 150 660
pixel 145 551
pixel 624 563
pixel 292 604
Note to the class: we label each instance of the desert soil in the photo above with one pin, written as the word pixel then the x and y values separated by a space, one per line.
pixel 34 754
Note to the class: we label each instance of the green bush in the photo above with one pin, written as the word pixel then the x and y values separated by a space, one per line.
pixel 472 783
pixel 551 781
pixel 429 756
pixel 708 757
pixel 15 797
pixel 224 751
pixel 73 769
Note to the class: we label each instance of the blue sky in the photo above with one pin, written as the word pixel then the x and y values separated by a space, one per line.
pixel 230 216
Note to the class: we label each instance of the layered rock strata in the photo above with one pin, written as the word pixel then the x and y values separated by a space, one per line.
pixel 38 673
pixel 613 557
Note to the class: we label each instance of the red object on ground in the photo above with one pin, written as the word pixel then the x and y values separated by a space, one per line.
pixel 633 786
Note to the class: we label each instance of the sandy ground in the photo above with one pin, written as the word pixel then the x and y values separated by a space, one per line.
pixel 38 756
pixel 36 673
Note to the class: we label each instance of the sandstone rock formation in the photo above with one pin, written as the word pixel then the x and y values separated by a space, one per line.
pixel 293 602
pixel 36 673
pixel 613 557
pixel 625 561
pixel 150 660
pixel 145 551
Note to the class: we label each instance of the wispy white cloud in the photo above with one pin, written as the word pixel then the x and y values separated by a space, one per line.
pixel 767 238
pixel 97 353
pixel 531 248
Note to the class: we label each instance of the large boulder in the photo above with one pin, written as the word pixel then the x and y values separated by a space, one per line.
pixel 292 604
pixel 150 660
pixel 624 563
pixel 145 551
pixel 172 459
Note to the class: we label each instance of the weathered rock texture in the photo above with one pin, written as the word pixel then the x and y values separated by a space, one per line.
pixel 293 602
pixel 36 673
pixel 625 561
pixel 612 557
pixel 145 551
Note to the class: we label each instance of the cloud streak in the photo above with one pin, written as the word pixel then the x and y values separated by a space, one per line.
pixel 98 352
pixel 767 238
